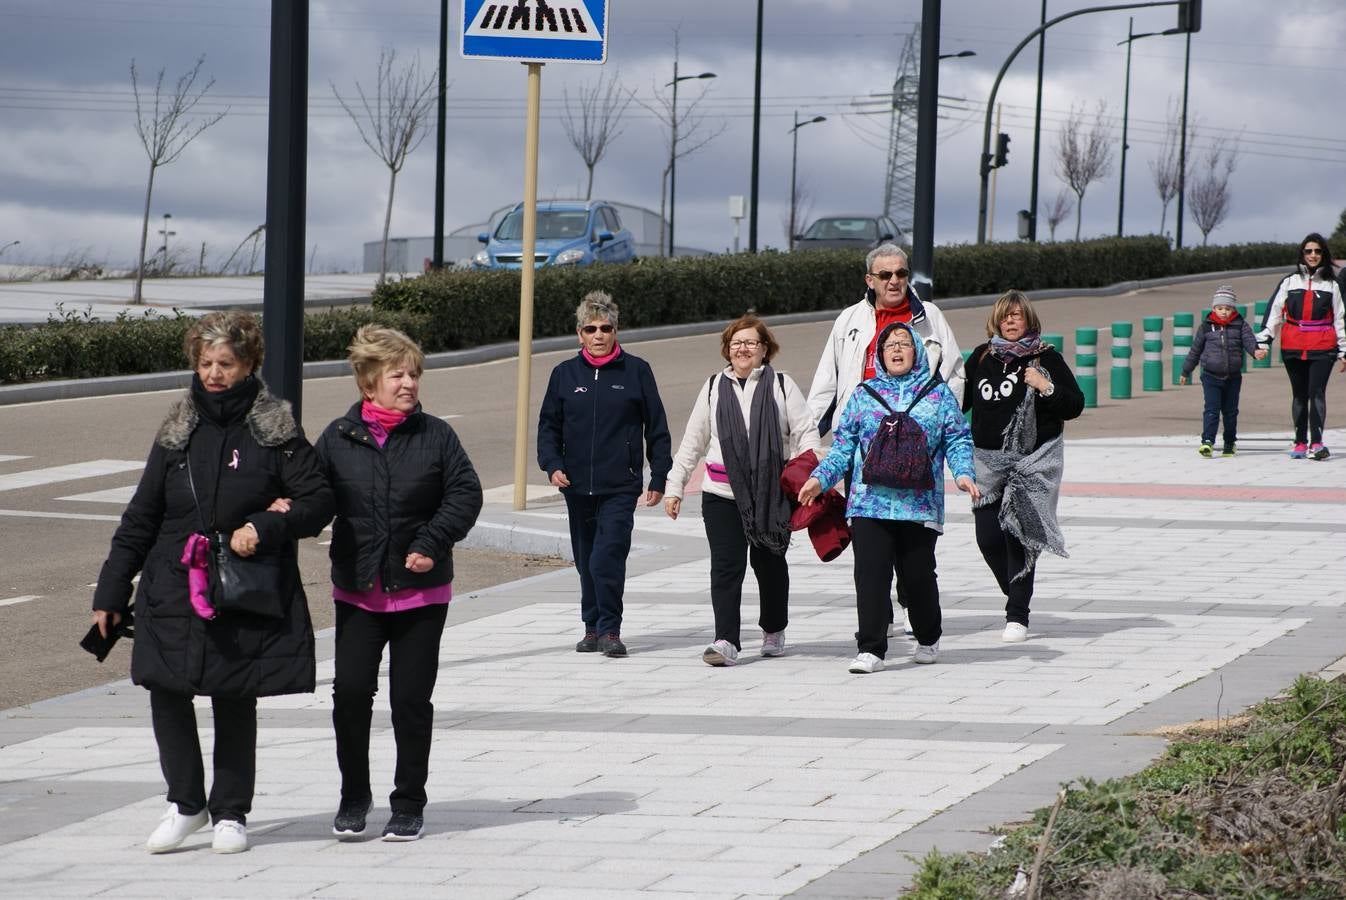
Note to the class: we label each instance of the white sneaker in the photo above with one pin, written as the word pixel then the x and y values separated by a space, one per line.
pixel 773 643
pixel 865 664
pixel 174 828
pixel 926 654
pixel 1014 633
pixel 906 624
pixel 720 653
pixel 230 837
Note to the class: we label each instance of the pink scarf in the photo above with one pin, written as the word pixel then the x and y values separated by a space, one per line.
pixel 380 421
pixel 599 362
pixel 196 556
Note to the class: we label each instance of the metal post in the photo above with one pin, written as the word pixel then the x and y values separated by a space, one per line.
pixel 1121 361
pixel 673 160
pixel 927 125
pixel 286 187
pixel 1037 134
pixel 1152 367
pixel 1126 113
pixel 1182 139
pixel 438 261
pixel 1086 364
pixel 756 133
pixel 995 179
pixel 527 273
pixel 1182 342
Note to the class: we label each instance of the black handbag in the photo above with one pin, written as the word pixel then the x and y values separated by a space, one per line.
pixel 250 585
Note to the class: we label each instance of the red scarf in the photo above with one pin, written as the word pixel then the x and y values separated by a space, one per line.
pixel 380 421
pixel 599 362
pixel 1222 320
pixel 883 317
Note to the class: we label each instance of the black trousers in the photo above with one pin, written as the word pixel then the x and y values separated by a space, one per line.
pixel 600 539
pixel 880 546
pixel 1308 396
pixel 730 554
pixel 412 638
pixel 174 719
pixel 1004 556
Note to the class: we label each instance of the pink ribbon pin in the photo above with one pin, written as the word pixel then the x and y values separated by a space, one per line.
pixel 233 463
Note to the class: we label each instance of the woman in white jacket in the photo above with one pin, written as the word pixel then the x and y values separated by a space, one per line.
pixel 747 423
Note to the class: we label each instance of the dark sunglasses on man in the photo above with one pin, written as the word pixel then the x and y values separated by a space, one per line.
pixel 884 275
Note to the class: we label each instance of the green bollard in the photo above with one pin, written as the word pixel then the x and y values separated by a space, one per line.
pixel 1058 341
pixel 1086 364
pixel 1152 369
pixel 1121 361
pixel 1182 342
pixel 1260 313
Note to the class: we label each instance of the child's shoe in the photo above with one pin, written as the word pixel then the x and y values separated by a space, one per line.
pixel 1205 450
pixel 1318 451
pixel 1299 451
pixel 1229 450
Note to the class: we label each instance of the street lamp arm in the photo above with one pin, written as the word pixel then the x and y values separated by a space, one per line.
pixel 995 88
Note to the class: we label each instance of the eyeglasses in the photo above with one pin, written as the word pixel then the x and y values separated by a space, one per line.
pixel 1013 314
pixel 885 274
pixel 899 345
pixel 590 329
pixel 744 345
pixel 1313 251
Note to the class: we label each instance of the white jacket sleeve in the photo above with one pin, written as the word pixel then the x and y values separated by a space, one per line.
pixel 951 357
pixel 803 426
pixel 823 392
pixel 1339 319
pixel 695 440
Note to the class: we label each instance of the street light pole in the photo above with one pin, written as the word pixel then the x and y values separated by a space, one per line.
pixel 756 134
pixel 166 233
pixel 673 148
pixel 794 166
pixel 1182 140
pixel 438 251
pixel 1037 134
pixel 1126 113
pixel 10 244
pixel 927 124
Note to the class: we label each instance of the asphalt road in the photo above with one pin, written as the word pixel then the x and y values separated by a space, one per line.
pixel 51 546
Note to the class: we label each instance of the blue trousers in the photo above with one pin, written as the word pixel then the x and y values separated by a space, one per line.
pixel 1222 399
pixel 600 537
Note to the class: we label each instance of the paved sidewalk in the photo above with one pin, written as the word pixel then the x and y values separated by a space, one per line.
pixel 556 774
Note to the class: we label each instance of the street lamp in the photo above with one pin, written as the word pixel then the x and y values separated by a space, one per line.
pixel 794 165
pixel 7 246
pixel 167 234
pixel 673 146
pixel 961 54
pixel 1126 112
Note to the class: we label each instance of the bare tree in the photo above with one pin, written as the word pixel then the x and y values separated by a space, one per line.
pixel 393 122
pixel 687 132
pixel 1208 190
pixel 1057 212
pixel 1164 168
pixel 596 122
pixel 165 131
pixel 793 219
pixel 1082 159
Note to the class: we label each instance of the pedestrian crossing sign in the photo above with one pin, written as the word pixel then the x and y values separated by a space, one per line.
pixel 536 30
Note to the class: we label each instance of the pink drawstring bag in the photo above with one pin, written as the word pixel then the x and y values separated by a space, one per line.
pixel 195 556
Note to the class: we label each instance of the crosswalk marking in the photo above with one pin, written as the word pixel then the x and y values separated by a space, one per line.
pixel 72 472
pixel 556 21
pixel 12 601
pixel 119 495
pixel 4 457
pixel 35 514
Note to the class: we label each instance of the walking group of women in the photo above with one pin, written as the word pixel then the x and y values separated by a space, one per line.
pixel 231 475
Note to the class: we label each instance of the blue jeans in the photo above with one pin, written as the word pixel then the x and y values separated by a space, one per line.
pixel 600 537
pixel 1222 399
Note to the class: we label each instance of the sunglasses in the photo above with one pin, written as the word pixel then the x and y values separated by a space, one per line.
pixel 1313 251
pixel 591 329
pixel 885 274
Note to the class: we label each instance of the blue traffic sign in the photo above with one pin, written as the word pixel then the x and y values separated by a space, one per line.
pixel 536 30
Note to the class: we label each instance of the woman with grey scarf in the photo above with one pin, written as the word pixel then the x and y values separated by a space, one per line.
pixel 747 423
pixel 1021 392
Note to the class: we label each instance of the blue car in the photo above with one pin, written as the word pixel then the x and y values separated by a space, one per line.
pixel 569 233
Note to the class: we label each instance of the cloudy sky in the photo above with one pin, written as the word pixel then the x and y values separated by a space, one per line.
pixel 73 171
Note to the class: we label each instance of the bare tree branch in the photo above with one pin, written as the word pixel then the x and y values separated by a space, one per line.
pixel 1208 193
pixel 1164 168
pixel 1057 212
pixel 596 123
pixel 393 123
pixel 1082 159
pixel 165 131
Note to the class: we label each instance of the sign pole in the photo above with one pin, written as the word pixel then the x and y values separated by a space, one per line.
pixel 527 272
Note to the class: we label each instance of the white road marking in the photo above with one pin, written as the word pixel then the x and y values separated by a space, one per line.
pixel 7 458
pixel 34 514
pixel 91 469
pixel 24 599
pixel 120 496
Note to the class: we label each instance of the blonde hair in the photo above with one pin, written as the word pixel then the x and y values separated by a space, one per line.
pixel 235 329
pixel 1004 305
pixel 596 305
pixel 377 348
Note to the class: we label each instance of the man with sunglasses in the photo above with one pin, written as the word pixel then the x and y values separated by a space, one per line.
pixel 848 356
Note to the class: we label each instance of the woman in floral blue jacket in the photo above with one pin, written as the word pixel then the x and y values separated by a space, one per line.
pixel 896 526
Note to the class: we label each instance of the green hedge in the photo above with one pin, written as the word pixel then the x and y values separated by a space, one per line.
pixel 452 310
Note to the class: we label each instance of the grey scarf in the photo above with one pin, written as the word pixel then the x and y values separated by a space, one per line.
pixel 754 458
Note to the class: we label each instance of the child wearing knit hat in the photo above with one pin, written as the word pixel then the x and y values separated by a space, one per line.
pixel 1219 345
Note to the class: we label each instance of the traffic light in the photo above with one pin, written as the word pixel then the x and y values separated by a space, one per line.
pixel 1189 16
pixel 1001 150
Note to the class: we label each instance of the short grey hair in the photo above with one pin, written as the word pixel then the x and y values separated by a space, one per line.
pixel 241 332
pixel 596 305
pixel 887 249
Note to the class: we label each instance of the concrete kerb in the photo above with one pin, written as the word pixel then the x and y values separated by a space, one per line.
pixel 38 392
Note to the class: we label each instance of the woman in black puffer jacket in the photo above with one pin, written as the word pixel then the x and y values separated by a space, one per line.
pixel 241 449
pixel 406 493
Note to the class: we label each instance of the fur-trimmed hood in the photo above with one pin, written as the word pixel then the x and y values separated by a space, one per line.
pixel 270 420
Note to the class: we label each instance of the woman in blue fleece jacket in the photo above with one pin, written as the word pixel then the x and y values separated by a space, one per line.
pixel 600 418
pixel 894 526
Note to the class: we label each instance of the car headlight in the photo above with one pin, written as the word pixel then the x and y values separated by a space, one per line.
pixel 566 257
pixel 483 258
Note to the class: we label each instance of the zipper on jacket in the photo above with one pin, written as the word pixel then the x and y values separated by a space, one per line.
pixel 593 433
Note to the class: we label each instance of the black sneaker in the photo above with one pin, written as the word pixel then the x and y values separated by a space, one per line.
pixel 611 644
pixel 350 818
pixel 588 643
pixel 403 827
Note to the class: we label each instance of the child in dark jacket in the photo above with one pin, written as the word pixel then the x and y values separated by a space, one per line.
pixel 1218 345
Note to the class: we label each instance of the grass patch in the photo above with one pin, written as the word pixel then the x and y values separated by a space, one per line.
pixel 1253 809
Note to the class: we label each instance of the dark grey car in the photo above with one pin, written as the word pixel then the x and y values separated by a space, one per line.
pixel 858 232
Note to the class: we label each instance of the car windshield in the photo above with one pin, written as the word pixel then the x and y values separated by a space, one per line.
pixel 552 224
pixel 842 229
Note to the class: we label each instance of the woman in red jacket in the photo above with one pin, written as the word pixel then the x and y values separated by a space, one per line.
pixel 1307 312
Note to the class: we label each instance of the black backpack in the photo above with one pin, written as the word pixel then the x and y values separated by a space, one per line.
pixel 898 457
